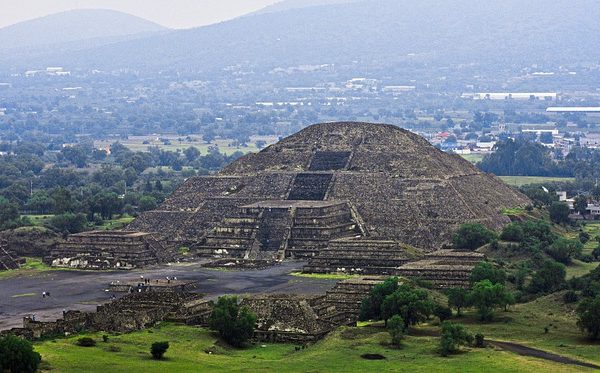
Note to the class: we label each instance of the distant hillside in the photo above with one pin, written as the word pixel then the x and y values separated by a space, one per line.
pixel 297 4
pixel 73 26
pixel 494 33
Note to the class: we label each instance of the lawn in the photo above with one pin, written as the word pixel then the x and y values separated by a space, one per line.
pixel 525 323
pixel 524 180
pixel 339 352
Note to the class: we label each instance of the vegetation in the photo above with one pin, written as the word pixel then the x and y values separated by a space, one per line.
pixel 86 342
pixel 235 324
pixel 453 336
pixel 458 299
pixel 487 271
pixel 18 355
pixel 471 236
pixel 158 350
pixel 487 296
pixel 396 329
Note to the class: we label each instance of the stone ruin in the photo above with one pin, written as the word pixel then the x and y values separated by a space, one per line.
pixel 109 250
pixel 349 197
pixel 7 260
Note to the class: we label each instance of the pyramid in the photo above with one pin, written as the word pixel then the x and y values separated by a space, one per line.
pixel 331 184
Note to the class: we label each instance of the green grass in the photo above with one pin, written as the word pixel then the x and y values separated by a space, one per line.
pixel 39 220
pixel 324 276
pixel 593 229
pixel 339 352
pixel 524 180
pixel 579 268
pixel 116 223
pixel 525 323
pixel 32 266
pixel 473 158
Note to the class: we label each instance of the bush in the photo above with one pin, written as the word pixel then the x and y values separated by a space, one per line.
pixel 549 278
pixel 479 340
pixel 457 298
pixel 471 236
pixel 18 355
pixel 68 223
pixel 453 336
pixel 487 296
pixel 570 297
pixel 370 308
pixel 158 349
pixel 596 253
pixel 443 313
pixel 588 314
pixel 486 271
pixel 564 250
pixel 235 324
pixel 584 237
pixel 86 342
pixel 512 232
pixel 396 329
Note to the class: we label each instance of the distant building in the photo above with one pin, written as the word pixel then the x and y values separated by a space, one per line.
pixel 546 96
pixel 395 89
pixel 574 109
pixel 538 129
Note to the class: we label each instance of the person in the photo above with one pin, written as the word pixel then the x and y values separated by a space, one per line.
pixel 43 294
pixel 64 312
pixel 33 317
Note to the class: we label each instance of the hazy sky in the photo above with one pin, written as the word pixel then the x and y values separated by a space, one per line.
pixel 170 13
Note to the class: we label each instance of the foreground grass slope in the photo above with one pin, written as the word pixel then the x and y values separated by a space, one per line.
pixel 339 352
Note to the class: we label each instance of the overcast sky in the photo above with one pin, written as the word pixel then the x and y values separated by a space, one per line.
pixel 170 13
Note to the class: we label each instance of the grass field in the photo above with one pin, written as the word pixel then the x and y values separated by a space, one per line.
pixel 31 267
pixel 473 158
pixel 524 180
pixel 339 352
pixel 116 223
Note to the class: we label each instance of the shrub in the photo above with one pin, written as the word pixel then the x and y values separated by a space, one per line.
pixel 104 338
pixel 584 237
pixel 443 313
pixel 396 329
pixel 370 308
pixel 453 336
pixel 588 314
pixel 86 342
pixel 549 278
pixel 486 271
pixel 596 253
pixel 235 324
pixel 158 349
pixel 479 340
pixel 18 355
pixel 471 236
pixel 564 250
pixel 512 232
pixel 570 297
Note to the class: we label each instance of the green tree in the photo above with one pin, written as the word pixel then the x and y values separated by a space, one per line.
pixel 396 329
pixel 487 296
pixel 549 278
pixel 370 308
pixel 235 324
pixel 40 202
pixel 564 250
pixel 441 312
pixel 191 153
pixel 147 203
pixel 68 223
pixel 9 212
pixel 453 336
pixel 512 232
pixel 158 350
pixel 458 298
pixel 559 212
pixel 18 355
pixel 413 305
pixel 588 313
pixel 471 236
pixel 580 204
pixel 486 271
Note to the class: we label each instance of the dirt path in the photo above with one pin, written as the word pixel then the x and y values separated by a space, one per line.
pixel 540 354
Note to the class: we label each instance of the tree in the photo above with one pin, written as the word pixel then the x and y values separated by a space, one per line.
pixel 549 278
pixel 158 349
pixel 580 204
pixel 559 212
pixel 191 154
pixel 68 223
pixel 8 211
pixel 486 296
pixel 370 308
pixel 457 298
pixel 396 329
pixel 18 355
pixel 564 250
pixel 40 202
pixel 588 314
pixel 453 336
pixel 235 324
pixel 441 312
pixel 471 236
pixel 486 271
pixel 147 203
pixel 512 232
pixel 413 305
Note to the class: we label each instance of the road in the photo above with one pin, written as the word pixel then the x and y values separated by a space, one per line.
pixel 84 290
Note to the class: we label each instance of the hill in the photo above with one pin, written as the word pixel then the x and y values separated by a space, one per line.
pixel 298 4
pixel 376 32
pixel 74 26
